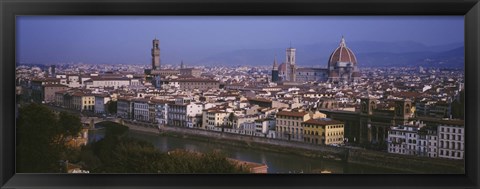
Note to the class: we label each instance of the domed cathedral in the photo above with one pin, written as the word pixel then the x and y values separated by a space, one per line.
pixel 342 67
pixel 342 64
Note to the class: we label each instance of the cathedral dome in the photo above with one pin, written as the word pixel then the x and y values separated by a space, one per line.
pixel 342 54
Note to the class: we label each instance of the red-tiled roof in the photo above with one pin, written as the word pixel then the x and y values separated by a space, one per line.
pixel 323 122
pixel 54 85
pixel 260 99
pixel 294 114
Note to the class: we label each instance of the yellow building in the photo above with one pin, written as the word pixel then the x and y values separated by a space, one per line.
pixel 323 131
pixel 214 118
pixel 289 123
pixel 83 101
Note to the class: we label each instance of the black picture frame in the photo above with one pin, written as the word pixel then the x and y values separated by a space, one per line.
pixel 11 8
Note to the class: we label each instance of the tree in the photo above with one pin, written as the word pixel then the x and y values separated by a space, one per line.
pixel 70 125
pixel 231 118
pixel 112 107
pixel 118 153
pixel 37 147
pixel 41 138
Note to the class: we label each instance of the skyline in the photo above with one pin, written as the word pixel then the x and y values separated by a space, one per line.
pixel 127 39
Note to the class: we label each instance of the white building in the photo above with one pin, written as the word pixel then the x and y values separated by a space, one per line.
pixel 214 117
pixel 181 110
pixel 161 111
pixel 249 128
pixel 125 108
pixel 96 82
pixel 141 109
pixel 263 126
pixel 240 119
pixel 73 81
pixel 100 103
pixel 402 139
pixel 451 141
pixel 444 141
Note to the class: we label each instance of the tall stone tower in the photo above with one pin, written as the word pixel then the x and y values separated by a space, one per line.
pixel 155 54
pixel 291 69
pixel 275 70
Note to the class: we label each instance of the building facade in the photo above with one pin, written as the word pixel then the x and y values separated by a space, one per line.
pixel 125 108
pixel 289 125
pixel 100 103
pixel 49 91
pixel 214 117
pixel 141 109
pixel 323 131
pixel 161 111
pixel 440 141
pixel 451 139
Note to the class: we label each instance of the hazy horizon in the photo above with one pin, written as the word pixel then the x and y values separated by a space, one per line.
pixel 128 39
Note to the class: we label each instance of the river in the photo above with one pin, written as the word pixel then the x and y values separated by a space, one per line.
pixel 277 162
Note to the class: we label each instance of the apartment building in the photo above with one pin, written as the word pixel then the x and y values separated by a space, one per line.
pixel 323 131
pixel 289 125
pixel 437 141
pixel 100 103
pixel 214 117
pixel 125 108
pixel 141 109
pixel 451 139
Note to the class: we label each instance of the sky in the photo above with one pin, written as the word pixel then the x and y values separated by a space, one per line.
pixel 128 39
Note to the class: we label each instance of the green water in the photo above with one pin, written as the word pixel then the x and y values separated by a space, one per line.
pixel 276 162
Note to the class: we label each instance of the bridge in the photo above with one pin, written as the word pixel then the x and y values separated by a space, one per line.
pixel 91 121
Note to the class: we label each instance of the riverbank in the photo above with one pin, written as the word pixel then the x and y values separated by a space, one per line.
pixel 401 163
pixel 274 145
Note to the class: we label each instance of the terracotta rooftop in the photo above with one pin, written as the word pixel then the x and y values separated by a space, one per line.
pixel 294 114
pixel 323 122
pixel 54 85
pixel 442 121
pixel 260 99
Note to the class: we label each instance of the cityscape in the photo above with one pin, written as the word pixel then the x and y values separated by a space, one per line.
pixel 349 110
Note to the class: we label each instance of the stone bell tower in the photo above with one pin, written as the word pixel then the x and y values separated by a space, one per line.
pixel 155 54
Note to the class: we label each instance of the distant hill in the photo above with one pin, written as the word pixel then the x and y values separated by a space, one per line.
pixel 369 54
pixel 454 58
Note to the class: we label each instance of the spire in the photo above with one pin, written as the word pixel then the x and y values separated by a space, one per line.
pixel 275 65
pixel 182 65
pixel 342 42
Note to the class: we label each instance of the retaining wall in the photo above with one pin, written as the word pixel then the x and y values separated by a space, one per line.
pixel 405 163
